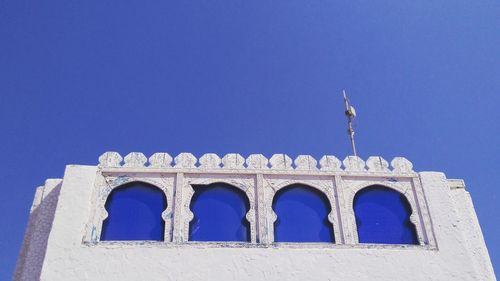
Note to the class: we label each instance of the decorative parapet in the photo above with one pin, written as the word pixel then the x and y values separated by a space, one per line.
pixel 354 164
pixel 233 161
pixel 330 163
pixel 260 178
pixel 401 164
pixel 278 162
pixel 257 161
pixel 306 162
pixel 185 160
pixel 135 159
pixel 110 159
pixel 210 161
pixel 281 162
pixel 160 160
pixel 377 164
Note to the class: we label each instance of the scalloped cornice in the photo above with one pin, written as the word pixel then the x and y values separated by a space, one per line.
pixel 277 162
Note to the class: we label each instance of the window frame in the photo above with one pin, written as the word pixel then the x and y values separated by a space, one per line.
pixel 405 187
pixel 245 184
pixel 102 190
pixel 401 202
pixel 326 186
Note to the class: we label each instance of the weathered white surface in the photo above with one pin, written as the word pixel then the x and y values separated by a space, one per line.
pixel 33 251
pixel 210 161
pixel 233 161
pixel 377 164
pixel 354 163
pixel 185 160
pixel 61 243
pixel 399 165
pixel 160 160
pixel 257 161
pixel 330 163
pixel 281 162
pixel 135 159
pixel 305 162
pixel 110 159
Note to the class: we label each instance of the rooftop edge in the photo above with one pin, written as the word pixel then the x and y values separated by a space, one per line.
pixel 210 161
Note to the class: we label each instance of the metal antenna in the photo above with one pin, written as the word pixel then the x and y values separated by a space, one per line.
pixel 350 113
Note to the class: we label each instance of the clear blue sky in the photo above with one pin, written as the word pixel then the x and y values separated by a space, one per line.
pixel 78 78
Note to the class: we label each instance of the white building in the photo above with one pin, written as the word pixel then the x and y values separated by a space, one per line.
pixel 65 237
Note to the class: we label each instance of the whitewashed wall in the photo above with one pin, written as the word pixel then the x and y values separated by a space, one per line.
pixel 62 238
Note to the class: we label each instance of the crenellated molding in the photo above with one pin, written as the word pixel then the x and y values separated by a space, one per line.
pixel 277 162
pixel 306 163
pixel 210 161
pixel 257 162
pixel 233 161
pixel 135 159
pixel 281 162
pixel 354 164
pixel 330 163
pixel 160 160
pixel 110 160
pixel 185 160
pixel 377 164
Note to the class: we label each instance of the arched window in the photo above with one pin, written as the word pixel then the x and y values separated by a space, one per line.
pixel 383 216
pixel 219 214
pixel 134 213
pixel 302 215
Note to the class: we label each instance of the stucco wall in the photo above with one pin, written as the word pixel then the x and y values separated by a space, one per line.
pixel 454 250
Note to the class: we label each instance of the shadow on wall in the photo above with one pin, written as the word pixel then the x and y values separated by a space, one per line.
pixel 30 260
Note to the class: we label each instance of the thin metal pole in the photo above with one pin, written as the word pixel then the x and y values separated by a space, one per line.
pixel 350 114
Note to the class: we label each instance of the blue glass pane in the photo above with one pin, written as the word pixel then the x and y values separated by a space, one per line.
pixel 135 213
pixel 383 217
pixel 219 214
pixel 302 215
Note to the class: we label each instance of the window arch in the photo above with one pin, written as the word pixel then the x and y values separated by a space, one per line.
pixel 383 216
pixel 219 214
pixel 302 214
pixel 134 213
